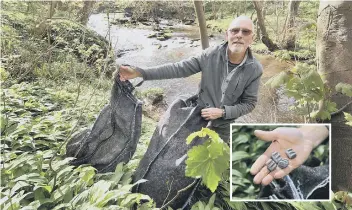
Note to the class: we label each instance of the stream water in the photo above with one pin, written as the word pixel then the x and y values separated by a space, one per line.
pixel 138 50
pixel 134 48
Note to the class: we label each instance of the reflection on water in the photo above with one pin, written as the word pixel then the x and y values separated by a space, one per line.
pixel 144 51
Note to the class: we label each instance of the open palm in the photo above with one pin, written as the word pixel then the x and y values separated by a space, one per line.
pixel 282 139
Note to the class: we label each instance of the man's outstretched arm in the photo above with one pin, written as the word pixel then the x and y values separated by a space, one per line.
pixel 180 69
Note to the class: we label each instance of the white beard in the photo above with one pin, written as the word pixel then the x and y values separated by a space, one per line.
pixel 237 48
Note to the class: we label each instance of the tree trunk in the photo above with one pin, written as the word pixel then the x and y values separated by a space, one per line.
pixel 264 35
pixel 202 24
pixel 334 57
pixel 52 9
pixel 289 32
pixel 86 10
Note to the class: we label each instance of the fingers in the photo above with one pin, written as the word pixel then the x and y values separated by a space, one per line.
pixel 261 161
pixel 269 178
pixel 125 73
pixel 205 113
pixel 211 113
pixel 266 135
pixel 208 114
pixel 125 68
pixel 259 164
pixel 260 176
pixel 264 176
pixel 259 168
pixel 279 173
pixel 122 78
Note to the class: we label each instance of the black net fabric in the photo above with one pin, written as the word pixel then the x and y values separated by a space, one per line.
pixel 163 164
pixel 115 133
pixel 303 183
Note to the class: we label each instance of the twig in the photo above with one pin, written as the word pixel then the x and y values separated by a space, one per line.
pixel 178 193
pixel 341 109
pixel 169 191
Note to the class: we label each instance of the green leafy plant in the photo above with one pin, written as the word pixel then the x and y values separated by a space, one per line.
pixel 35 121
pixel 306 86
pixel 344 88
pixel 209 160
pixel 203 206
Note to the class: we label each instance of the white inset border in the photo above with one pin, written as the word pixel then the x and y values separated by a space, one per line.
pixel 280 124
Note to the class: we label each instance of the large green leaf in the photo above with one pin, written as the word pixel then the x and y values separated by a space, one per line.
pixel 200 164
pixel 215 149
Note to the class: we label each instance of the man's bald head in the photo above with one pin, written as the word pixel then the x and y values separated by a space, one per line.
pixel 242 18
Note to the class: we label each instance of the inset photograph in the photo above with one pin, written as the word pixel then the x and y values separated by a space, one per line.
pixel 283 162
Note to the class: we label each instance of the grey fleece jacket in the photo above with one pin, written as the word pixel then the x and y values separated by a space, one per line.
pixel 236 91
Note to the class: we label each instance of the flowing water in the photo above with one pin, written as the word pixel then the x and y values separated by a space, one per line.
pixel 134 48
pixel 138 50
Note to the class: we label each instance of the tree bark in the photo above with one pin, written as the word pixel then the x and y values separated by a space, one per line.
pixel 264 35
pixel 334 59
pixel 202 24
pixel 289 32
pixel 86 10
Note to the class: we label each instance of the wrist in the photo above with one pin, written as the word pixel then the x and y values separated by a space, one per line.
pixel 314 134
pixel 138 72
pixel 223 113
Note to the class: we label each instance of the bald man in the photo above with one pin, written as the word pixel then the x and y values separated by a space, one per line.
pixel 230 76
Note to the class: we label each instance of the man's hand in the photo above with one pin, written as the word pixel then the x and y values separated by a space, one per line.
pixel 211 113
pixel 127 73
pixel 282 139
